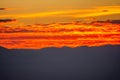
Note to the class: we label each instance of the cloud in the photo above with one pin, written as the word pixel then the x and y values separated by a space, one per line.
pixel 30 15
pixel 79 13
pixel 58 35
pixel 7 20
pixel 3 8
pixel 105 11
pixel 8 8
pixel 115 21
pixel 99 11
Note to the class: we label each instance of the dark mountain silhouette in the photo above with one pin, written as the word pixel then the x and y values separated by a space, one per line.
pixel 81 63
pixel 4 51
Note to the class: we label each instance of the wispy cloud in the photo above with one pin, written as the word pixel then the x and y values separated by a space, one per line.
pixel 7 20
pixel 79 13
pixel 30 15
pixel 99 11
pixel 2 8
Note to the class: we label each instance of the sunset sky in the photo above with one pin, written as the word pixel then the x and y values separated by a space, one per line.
pixel 51 11
pixel 52 23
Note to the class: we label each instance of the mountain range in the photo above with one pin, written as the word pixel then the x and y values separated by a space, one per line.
pixel 80 63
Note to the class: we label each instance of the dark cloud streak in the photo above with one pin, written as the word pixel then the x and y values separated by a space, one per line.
pixel 7 20
pixel 3 8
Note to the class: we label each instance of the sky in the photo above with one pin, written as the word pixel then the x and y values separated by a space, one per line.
pixel 51 23
pixel 52 11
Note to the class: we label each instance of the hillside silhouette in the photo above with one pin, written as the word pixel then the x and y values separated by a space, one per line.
pixel 81 63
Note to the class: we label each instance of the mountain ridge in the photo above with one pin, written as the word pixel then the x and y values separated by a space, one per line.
pixel 82 63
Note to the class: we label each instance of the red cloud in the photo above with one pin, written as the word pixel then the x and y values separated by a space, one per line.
pixel 58 35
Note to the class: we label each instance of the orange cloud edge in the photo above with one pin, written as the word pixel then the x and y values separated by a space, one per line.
pixel 75 34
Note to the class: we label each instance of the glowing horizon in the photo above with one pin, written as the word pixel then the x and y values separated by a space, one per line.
pixel 56 23
pixel 59 35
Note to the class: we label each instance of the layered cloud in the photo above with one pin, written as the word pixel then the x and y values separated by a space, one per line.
pixel 60 34
pixel 73 34
pixel 79 13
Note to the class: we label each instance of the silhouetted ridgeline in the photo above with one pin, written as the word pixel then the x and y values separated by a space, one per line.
pixel 4 51
pixel 81 63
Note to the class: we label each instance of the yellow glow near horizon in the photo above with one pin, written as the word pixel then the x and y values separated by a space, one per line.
pixel 98 11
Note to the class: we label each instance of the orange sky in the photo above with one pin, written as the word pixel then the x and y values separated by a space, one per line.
pixel 60 34
pixel 50 23
pixel 51 11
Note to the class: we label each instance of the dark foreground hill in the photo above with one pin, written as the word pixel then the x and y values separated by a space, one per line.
pixel 82 63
